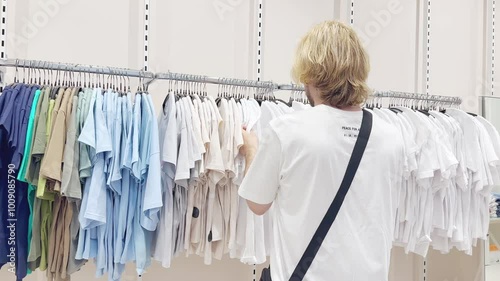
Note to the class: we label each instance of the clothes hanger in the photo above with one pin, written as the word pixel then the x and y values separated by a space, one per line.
pixel 123 89
pixel 220 90
pixel 393 103
pixel 176 90
pixel 119 79
pixel 139 87
pixel 205 93
pixel 271 91
pixel 28 70
pixel 128 84
pixel 16 73
pixel 46 74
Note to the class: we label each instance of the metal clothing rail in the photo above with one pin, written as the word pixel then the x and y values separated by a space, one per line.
pixel 34 64
pixel 291 87
pixel 420 97
pixel 392 94
pixel 216 80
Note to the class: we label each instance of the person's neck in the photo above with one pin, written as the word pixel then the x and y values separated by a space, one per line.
pixel 349 108
pixel 345 108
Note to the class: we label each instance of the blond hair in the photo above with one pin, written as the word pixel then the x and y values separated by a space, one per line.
pixel 331 58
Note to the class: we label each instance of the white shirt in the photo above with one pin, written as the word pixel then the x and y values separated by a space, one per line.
pixel 168 136
pixel 300 165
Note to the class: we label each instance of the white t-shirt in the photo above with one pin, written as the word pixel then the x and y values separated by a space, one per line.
pixel 299 166
pixel 297 106
pixel 168 147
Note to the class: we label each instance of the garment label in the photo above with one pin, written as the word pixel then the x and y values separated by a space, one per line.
pixel 350 132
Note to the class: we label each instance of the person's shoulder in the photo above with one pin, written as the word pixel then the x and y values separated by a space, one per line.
pixel 295 119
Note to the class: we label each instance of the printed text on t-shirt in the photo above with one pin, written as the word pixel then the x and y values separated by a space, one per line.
pixel 350 132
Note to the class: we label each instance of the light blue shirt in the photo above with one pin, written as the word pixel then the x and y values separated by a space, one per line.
pixel 114 179
pixel 121 202
pixel 142 259
pixel 95 211
pixel 87 241
pixel 93 216
pixel 129 195
pixel 153 190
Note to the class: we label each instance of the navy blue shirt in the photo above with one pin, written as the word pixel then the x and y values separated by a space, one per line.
pixel 21 128
pixel 3 98
pixel 24 120
pixel 6 115
pixel 13 126
pixel 6 118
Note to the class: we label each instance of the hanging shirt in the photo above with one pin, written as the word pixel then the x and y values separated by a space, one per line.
pixel 43 192
pixel 70 181
pixel 29 135
pixel 168 146
pixel 153 190
pixel 26 157
pixel 13 128
pixel 51 166
pixel 235 200
pixel 132 121
pixel 475 168
pixel 35 244
pixel 87 243
pixel 85 165
pixel 215 165
pixel 95 134
pixel 7 100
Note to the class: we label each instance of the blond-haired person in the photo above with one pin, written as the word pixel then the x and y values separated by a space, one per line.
pixel 302 157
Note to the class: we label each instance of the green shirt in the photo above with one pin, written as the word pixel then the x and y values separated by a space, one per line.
pixel 24 163
pixel 29 137
pixel 40 191
pixel 39 138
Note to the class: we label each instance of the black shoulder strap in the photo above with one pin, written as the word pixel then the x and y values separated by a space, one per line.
pixel 320 234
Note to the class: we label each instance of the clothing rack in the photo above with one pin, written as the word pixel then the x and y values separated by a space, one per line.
pixel 392 94
pixel 216 80
pixel 104 70
pixel 419 97
pixel 290 87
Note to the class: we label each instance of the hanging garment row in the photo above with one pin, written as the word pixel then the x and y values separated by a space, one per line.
pixel 451 165
pixel 58 139
pixel 100 177
pixel 202 169
pixel 86 177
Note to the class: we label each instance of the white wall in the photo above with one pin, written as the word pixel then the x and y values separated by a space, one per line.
pixel 90 32
pixel 457 45
pixel 218 38
pixel 388 29
pixel 285 22
pixel 109 33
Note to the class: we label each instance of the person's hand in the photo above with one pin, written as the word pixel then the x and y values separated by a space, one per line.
pixel 251 143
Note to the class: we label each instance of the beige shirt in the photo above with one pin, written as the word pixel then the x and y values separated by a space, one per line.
pixel 44 187
pixel 59 240
pixel 70 184
pixel 52 165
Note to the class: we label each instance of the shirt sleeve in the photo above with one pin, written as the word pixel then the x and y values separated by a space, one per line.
pixel 261 183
